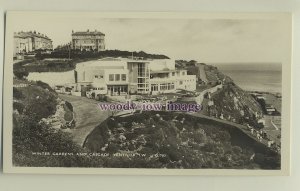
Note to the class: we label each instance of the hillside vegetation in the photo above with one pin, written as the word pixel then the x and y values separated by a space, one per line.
pixel 173 140
pixel 63 60
pixel 231 102
pixel 235 104
pixel 33 102
pixel 63 53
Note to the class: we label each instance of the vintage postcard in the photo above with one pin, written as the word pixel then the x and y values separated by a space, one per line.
pixel 147 93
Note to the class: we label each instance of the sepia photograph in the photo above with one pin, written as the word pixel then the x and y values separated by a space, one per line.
pixel 147 93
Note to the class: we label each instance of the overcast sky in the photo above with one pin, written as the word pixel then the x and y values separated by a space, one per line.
pixel 206 40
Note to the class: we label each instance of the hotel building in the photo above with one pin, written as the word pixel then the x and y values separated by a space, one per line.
pixel 25 42
pixel 88 40
pixel 119 76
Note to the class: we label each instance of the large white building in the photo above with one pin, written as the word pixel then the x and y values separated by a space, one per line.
pixel 120 76
pixel 88 40
pixel 25 42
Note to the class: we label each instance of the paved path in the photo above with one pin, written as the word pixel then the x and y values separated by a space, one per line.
pixel 272 129
pixel 87 116
pixel 241 127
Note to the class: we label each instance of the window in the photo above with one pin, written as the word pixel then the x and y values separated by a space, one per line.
pixel 117 77
pixel 141 80
pixel 183 73
pixel 123 77
pixel 154 87
pixel 141 69
pixel 173 73
pixel 180 82
pixel 163 86
pixel 170 86
pixel 111 77
pixel 96 76
pixel 116 88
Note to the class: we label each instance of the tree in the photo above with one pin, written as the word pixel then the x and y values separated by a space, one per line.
pixel 21 74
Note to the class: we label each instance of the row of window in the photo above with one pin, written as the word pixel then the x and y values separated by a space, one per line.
pixel 117 77
pixel 142 85
pixel 173 74
pixel 122 77
pixel 99 76
pixel 86 41
pixel 102 88
pixel 154 87
pixel 117 89
pixel 142 80
pixel 165 86
pixel 181 82
pixel 182 73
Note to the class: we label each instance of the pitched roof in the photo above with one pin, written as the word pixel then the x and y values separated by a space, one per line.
pixel 88 33
pixel 30 34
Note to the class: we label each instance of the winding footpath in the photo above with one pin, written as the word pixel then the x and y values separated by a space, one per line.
pixel 87 116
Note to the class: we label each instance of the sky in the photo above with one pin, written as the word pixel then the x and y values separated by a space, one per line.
pixel 205 40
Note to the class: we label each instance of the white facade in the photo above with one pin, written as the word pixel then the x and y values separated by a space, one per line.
pixel 184 81
pixel 29 41
pixel 88 40
pixel 113 76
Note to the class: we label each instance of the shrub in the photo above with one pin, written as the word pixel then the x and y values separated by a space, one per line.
pixel 42 107
pixel 69 106
pixel 113 148
pixel 44 85
pixel 18 106
pixel 32 136
pixel 17 94
pixel 20 74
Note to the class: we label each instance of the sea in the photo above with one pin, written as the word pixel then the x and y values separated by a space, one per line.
pixel 263 77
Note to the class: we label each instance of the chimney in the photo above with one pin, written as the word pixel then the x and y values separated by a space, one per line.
pixel 72 31
pixel 88 30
